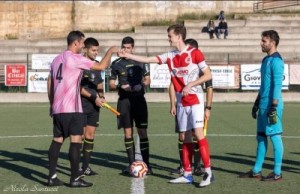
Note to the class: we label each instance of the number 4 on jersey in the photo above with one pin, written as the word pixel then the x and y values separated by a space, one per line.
pixel 59 72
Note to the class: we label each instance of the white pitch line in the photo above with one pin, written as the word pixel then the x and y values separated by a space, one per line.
pixel 151 135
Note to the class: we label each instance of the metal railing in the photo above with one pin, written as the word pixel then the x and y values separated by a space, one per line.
pixel 272 4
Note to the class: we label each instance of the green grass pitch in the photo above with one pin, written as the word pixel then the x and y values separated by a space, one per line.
pixel 26 131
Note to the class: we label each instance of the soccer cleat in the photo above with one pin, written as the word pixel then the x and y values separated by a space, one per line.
pixel 251 174
pixel 89 172
pixel 79 182
pixel 199 171
pixel 149 172
pixel 207 179
pixel 183 179
pixel 272 177
pixel 178 171
pixel 54 182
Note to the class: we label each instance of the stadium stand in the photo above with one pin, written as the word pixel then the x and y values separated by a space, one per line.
pixel 242 45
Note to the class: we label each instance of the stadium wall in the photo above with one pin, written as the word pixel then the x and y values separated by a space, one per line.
pixel 52 19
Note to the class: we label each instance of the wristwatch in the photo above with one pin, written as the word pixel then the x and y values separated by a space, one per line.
pixel 208 107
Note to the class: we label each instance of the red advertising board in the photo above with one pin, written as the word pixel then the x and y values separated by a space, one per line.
pixel 15 75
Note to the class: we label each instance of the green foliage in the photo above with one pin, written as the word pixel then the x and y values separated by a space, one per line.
pixel 191 16
pixel 12 89
pixel 11 36
pixel 90 30
pixel 158 23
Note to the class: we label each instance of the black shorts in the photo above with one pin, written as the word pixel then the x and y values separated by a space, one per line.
pixel 91 112
pixel 66 124
pixel 132 109
pixel 92 118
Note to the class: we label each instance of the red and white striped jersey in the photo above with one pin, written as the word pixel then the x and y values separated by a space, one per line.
pixel 185 67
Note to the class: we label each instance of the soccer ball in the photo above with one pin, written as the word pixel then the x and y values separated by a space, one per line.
pixel 138 169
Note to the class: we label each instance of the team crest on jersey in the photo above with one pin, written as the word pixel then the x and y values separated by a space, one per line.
pixel 188 60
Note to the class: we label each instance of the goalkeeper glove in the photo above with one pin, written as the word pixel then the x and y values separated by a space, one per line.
pixel 255 108
pixel 272 116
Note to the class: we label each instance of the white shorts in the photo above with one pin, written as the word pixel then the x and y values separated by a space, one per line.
pixel 190 117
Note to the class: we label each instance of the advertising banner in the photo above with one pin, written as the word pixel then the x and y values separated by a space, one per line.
pixel 42 61
pixel 223 76
pixel 159 75
pixel 37 81
pixel 15 75
pixel 250 77
pixel 294 74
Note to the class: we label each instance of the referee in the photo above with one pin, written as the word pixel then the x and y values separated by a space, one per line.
pixel 132 78
pixel 92 98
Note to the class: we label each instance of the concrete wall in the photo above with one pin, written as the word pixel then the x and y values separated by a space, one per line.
pixel 52 19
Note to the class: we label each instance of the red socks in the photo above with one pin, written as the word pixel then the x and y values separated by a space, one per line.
pixel 204 152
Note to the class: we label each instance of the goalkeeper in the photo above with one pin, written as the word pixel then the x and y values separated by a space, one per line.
pixel 269 105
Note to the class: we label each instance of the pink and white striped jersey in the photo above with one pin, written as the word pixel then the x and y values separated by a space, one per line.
pixel 185 67
pixel 66 72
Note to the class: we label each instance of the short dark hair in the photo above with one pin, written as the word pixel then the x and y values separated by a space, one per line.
pixel 73 36
pixel 89 42
pixel 128 40
pixel 192 42
pixel 272 34
pixel 179 29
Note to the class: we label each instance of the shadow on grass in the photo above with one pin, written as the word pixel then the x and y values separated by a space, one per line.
pixel 286 164
pixel 28 173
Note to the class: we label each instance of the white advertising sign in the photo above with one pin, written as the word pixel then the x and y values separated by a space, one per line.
pixel 223 76
pixel 159 75
pixel 250 77
pixel 42 61
pixel 37 81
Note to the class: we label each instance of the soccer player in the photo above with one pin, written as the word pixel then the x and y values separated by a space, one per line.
pixel 65 104
pixel 185 64
pixel 209 95
pixel 92 97
pixel 269 104
pixel 132 78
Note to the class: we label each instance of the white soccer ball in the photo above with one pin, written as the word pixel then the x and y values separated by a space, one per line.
pixel 138 169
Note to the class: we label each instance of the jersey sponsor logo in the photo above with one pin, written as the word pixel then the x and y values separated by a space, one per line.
pixel 181 72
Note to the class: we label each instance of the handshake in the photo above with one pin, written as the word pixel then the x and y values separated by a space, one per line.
pixel 135 88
